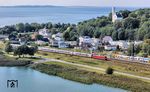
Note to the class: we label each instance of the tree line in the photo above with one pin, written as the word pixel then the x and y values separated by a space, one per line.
pixel 21 50
pixel 134 26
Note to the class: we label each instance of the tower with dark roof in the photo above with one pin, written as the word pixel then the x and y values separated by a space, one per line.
pixel 116 16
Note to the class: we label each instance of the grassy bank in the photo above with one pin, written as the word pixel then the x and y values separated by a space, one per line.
pixel 8 61
pixel 133 68
pixel 89 77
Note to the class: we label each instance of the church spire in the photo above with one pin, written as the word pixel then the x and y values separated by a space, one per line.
pixel 113 10
pixel 113 14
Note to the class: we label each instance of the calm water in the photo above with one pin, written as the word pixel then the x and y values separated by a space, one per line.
pixel 33 81
pixel 13 15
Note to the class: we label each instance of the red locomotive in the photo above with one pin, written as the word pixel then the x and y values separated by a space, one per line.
pixel 99 57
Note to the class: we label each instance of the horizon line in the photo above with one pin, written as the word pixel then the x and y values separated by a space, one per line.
pixel 66 6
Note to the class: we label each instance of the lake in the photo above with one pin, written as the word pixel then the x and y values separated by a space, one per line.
pixel 30 80
pixel 55 14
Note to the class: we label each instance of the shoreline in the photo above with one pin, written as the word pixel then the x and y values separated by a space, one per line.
pixel 88 77
pixel 4 62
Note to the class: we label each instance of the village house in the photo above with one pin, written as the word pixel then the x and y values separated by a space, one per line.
pixel 58 41
pixel 107 39
pixel 110 47
pixel 96 43
pixel 121 44
pixel 86 42
pixel 57 35
pixel 39 42
pixel 44 32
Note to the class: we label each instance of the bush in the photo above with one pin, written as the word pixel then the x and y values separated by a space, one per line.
pixel 109 70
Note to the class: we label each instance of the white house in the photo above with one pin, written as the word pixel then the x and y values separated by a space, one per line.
pixel 135 42
pixel 39 42
pixel 59 42
pixel 96 42
pixel 121 44
pixel 107 39
pixel 44 32
pixel 57 35
pixel 110 47
pixel 116 16
pixel 85 40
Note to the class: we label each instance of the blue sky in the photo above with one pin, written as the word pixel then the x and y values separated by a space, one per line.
pixel 131 3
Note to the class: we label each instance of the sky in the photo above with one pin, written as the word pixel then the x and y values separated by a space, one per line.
pixel 131 3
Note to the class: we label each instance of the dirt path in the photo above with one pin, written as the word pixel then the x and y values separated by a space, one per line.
pixel 91 67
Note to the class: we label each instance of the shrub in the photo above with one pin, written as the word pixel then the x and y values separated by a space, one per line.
pixel 109 70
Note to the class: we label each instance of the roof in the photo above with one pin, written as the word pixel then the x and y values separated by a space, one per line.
pixel 107 38
pixel 118 14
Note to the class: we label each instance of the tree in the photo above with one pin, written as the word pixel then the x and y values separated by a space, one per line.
pixel 115 35
pixel 117 25
pixel 24 50
pixel 66 35
pixel 110 16
pixel 131 23
pixel 18 51
pixel 147 36
pixel 27 27
pixel 32 51
pixel 133 15
pixel 121 34
pixel 20 27
pixel 145 47
pixel 109 70
pixel 144 30
pixel 8 48
pixel 97 33
pixel 38 37
pixel 125 13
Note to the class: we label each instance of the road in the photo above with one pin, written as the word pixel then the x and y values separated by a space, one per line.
pixel 91 67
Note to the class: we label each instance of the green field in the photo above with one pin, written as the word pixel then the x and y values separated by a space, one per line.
pixel 132 68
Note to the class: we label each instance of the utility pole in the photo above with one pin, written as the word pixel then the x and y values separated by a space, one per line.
pixel 133 50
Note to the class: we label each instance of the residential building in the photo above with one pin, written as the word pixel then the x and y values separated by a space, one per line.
pixel 3 37
pixel 85 40
pixel 96 43
pixel 121 44
pixel 57 35
pixel 58 41
pixel 41 43
pixel 44 32
pixel 110 47
pixel 107 39
pixel 72 43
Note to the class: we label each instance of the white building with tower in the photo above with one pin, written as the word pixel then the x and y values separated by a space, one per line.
pixel 116 16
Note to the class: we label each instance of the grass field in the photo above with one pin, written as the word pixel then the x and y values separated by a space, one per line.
pixel 81 75
pixel 133 68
